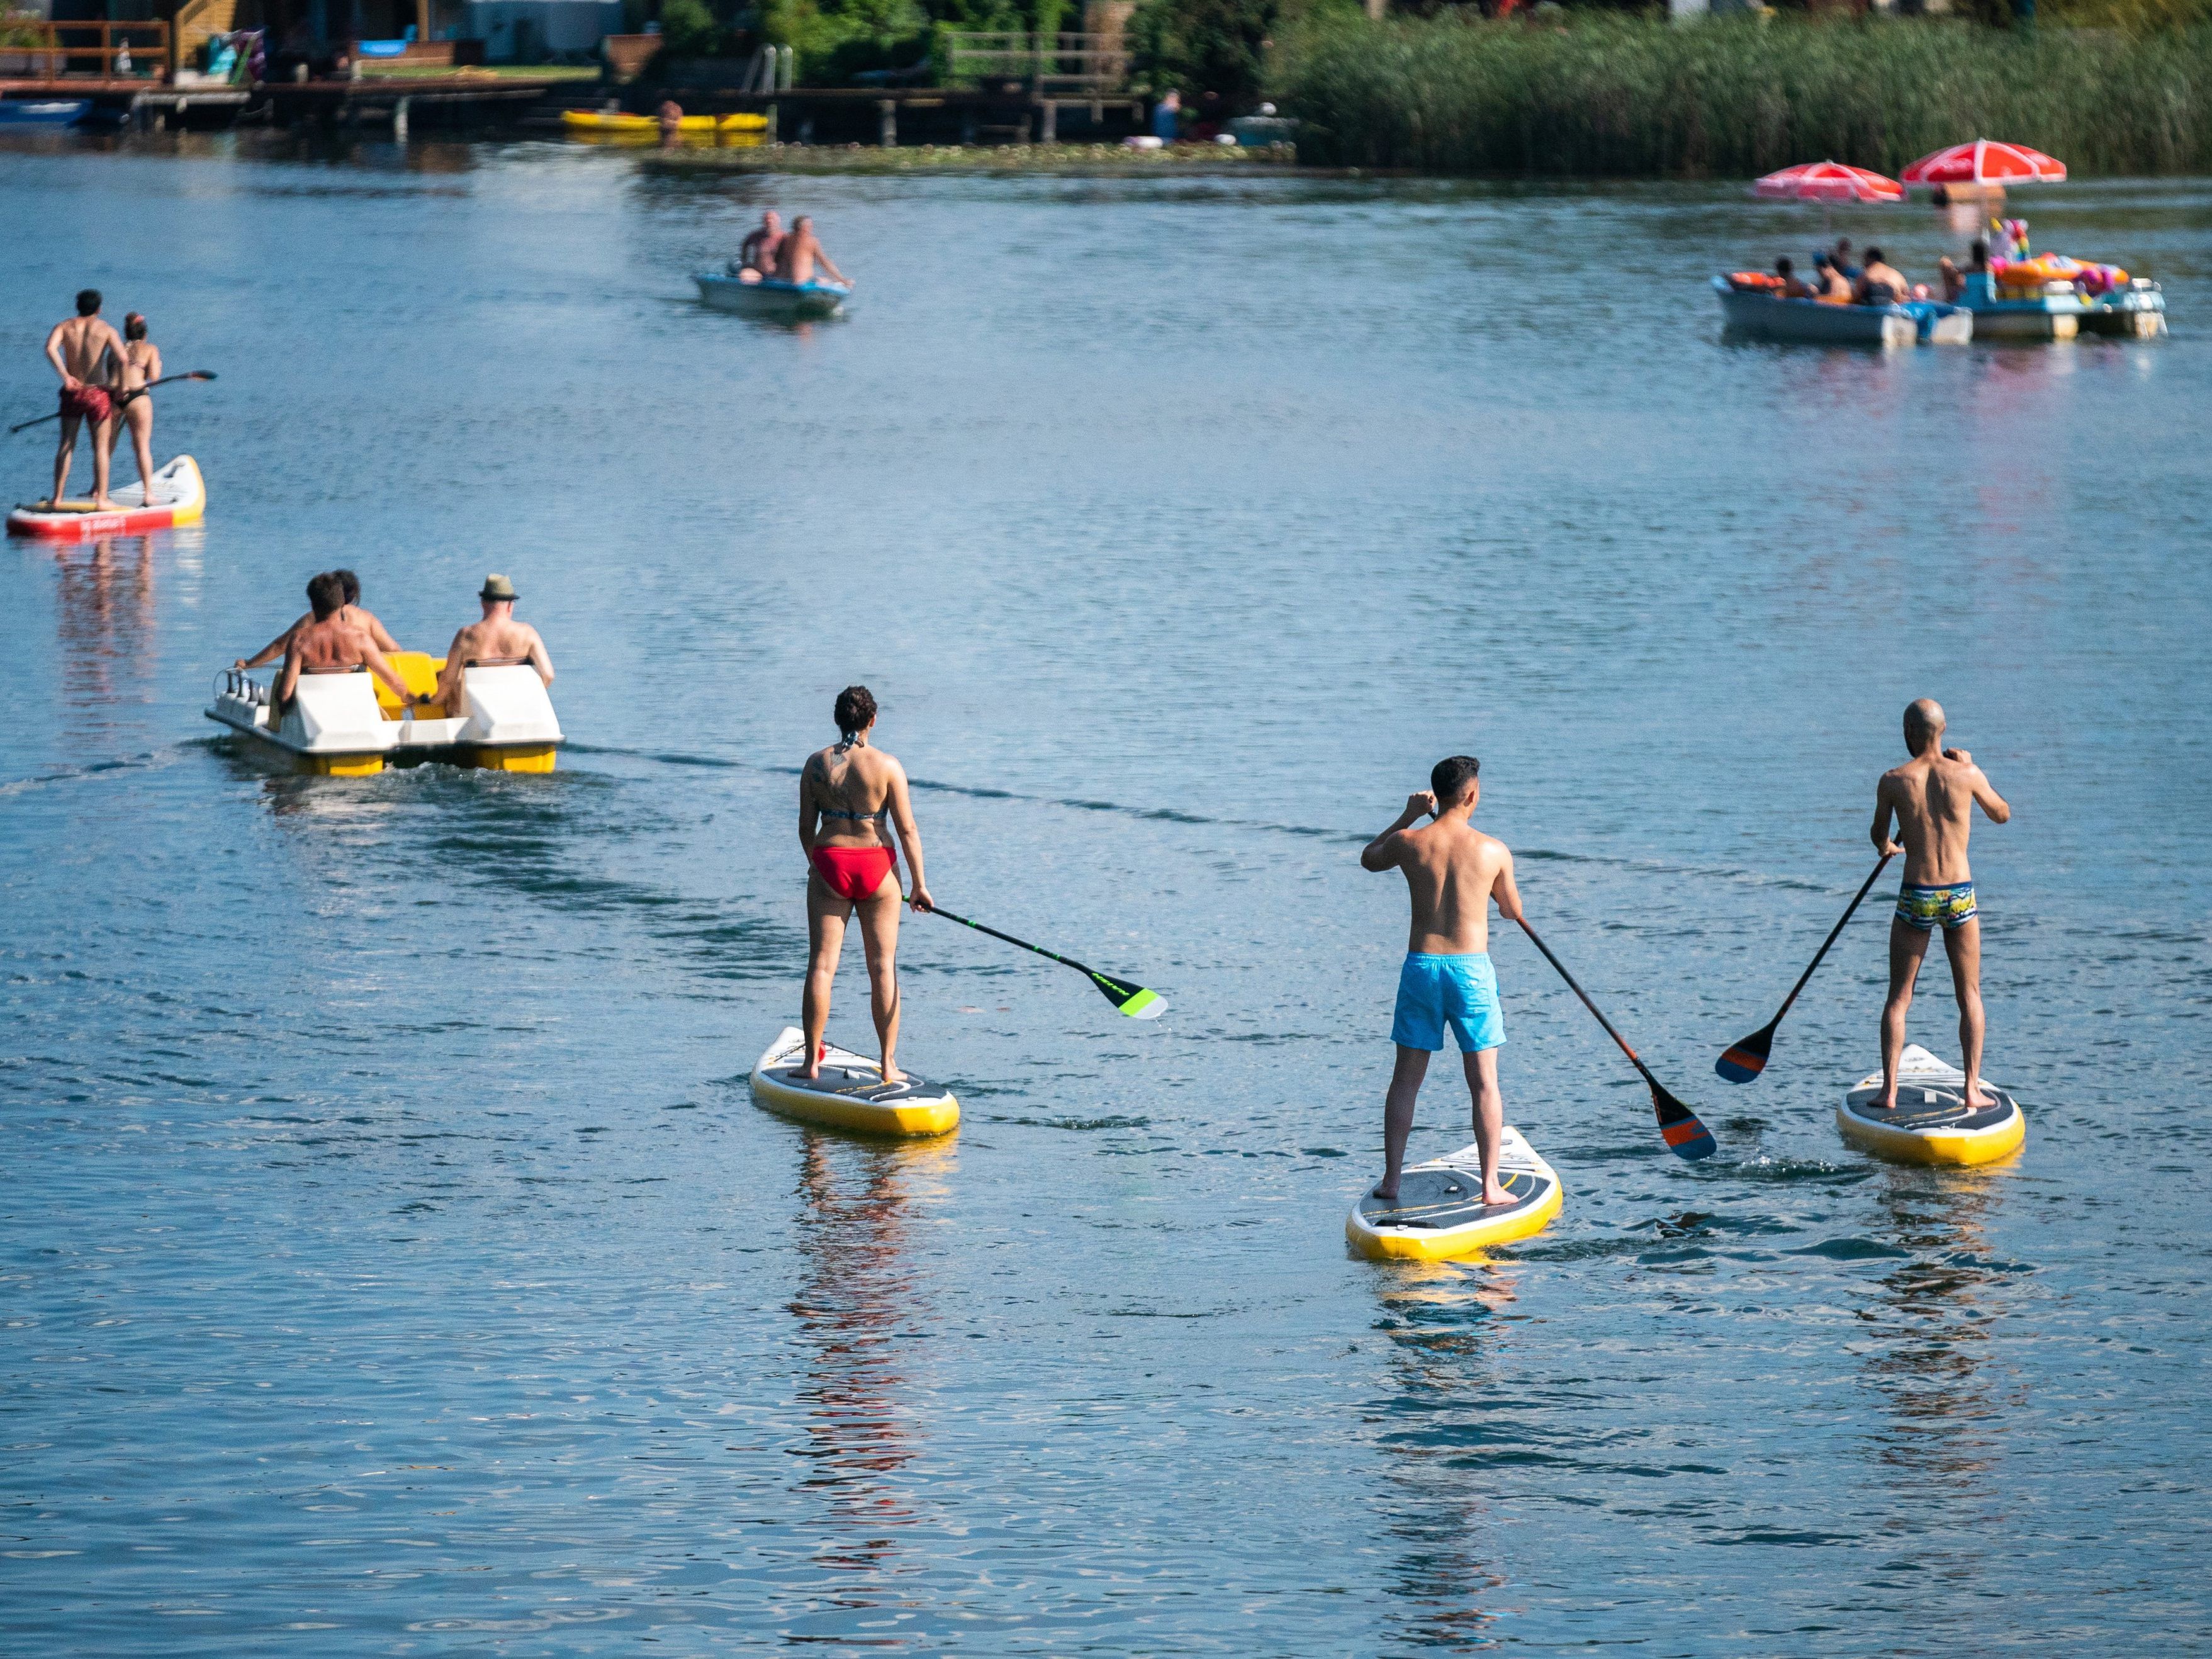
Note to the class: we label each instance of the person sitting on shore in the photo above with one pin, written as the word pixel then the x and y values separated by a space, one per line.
pixel 496 641
pixel 1794 287
pixel 757 253
pixel 802 252
pixel 329 644
pixel 1880 283
pixel 351 609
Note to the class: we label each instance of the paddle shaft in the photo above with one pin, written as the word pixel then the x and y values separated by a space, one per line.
pixel 1052 955
pixel 1587 1003
pixel 140 391
pixel 1805 978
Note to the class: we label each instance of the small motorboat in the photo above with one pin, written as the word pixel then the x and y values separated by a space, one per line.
pixel 1766 316
pixel 772 296
pixel 350 725
pixel 615 121
pixel 43 112
pixel 179 497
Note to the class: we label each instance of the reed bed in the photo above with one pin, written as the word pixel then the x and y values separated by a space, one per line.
pixel 1628 96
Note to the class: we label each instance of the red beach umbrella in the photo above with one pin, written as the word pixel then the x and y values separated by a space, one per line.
pixel 1985 161
pixel 1827 181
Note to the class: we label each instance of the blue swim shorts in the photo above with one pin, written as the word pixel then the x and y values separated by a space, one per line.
pixel 1461 991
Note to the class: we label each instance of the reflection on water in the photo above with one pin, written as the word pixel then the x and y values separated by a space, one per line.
pixel 104 595
pixel 863 1316
pixel 1930 1320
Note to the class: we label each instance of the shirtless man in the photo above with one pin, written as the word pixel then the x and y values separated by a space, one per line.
pixel 83 350
pixel 1794 287
pixel 1835 287
pixel 139 364
pixel 497 642
pixel 1880 283
pixel 802 250
pixel 330 645
pixel 351 612
pixel 1452 872
pixel 1932 797
pixel 757 253
pixel 845 794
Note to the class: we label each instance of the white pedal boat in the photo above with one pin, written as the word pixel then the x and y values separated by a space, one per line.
pixel 349 725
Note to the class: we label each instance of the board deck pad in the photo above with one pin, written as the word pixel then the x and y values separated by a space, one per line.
pixel 1924 1105
pixel 848 1078
pixel 1437 1198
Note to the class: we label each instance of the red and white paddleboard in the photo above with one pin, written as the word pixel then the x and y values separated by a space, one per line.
pixel 179 497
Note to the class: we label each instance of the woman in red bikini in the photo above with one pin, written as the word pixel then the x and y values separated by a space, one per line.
pixel 846 793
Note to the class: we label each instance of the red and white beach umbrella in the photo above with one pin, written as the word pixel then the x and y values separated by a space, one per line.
pixel 1985 161
pixel 1827 181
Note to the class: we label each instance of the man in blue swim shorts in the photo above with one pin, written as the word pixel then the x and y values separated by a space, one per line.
pixel 1452 873
pixel 1932 797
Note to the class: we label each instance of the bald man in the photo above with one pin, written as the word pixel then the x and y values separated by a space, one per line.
pixel 1933 796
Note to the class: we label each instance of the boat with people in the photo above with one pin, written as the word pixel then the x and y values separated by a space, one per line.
pixel 350 725
pixel 179 497
pixel 2050 298
pixel 1753 308
pixel 773 296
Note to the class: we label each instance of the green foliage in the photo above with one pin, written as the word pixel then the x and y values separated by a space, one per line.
pixel 836 39
pixel 2137 16
pixel 1616 95
pixel 1205 46
pixel 688 29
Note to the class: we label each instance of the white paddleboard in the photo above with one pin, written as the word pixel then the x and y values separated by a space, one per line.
pixel 850 1093
pixel 1439 1212
pixel 1932 1123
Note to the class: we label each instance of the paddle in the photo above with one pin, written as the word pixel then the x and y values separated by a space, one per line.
pixel 1688 1138
pixel 1134 1000
pixel 197 374
pixel 1746 1059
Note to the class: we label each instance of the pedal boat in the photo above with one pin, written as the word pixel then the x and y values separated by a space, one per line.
pixel 772 296
pixel 1818 322
pixel 2060 311
pixel 350 726
pixel 179 497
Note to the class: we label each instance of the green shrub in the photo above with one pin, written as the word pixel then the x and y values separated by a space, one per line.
pixel 688 29
pixel 1614 96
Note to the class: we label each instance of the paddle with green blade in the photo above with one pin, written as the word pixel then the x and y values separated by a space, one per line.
pixel 1685 1135
pixel 1133 1001
pixel 166 379
pixel 1745 1059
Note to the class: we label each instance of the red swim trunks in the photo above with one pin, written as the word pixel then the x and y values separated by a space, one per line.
pixel 89 402
pixel 853 873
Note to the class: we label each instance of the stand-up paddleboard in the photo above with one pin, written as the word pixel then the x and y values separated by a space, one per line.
pixel 1439 1211
pixel 179 498
pixel 1932 1123
pixel 850 1093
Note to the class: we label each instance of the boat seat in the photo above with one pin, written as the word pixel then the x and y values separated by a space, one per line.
pixel 419 671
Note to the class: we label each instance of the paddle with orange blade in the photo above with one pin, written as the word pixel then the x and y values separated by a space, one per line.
pixel 1685 1135
pixel 1746 1059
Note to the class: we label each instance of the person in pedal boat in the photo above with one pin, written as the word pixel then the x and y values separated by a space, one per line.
pixel 331 645
pixel 1452 872
pixel 1932 797
pixel 350 611
pixel 846 793
pixel 802 250
pixel 758 253
pixel 84 350
pixel 497 641
pixel 140 363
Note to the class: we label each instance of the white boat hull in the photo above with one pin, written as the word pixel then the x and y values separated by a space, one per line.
pixel 350 725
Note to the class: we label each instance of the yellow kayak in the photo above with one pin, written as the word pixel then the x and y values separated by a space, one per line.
pixel 594 120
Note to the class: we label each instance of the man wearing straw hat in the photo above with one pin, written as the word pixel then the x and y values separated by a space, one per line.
pixel 497 642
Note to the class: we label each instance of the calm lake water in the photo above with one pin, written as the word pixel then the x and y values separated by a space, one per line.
pixel 394 1262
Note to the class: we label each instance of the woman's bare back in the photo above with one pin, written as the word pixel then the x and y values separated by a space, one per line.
pixel 851 790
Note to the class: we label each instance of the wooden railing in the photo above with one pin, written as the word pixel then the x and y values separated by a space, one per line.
pixel 1076 64
pixel 42 50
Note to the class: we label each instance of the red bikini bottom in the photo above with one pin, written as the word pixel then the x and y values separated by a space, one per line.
pixel 853 873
